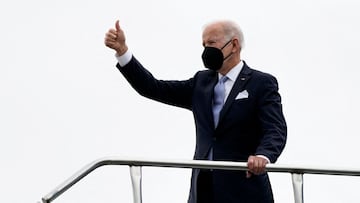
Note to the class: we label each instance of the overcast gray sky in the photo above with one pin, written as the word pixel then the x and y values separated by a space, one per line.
pixel 64 104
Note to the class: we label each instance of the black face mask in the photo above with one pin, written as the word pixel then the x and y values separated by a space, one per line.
pixel 213 57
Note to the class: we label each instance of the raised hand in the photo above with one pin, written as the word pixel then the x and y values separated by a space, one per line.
pixel 115 39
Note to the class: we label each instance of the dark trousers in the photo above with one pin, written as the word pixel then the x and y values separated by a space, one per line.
pixel 205 187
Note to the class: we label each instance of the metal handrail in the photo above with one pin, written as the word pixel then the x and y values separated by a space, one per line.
pixel 136 165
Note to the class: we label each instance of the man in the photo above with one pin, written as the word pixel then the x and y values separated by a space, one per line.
pixel 237 111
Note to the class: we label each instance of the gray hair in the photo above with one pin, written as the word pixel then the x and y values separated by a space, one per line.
pixel 231 29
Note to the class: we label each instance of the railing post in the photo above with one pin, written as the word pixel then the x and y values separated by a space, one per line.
pixel 135 173
pixel 297 181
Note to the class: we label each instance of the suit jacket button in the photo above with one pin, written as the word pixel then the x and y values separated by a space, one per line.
pixel 214 138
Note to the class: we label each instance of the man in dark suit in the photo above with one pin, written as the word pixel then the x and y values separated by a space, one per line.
pixel 237 111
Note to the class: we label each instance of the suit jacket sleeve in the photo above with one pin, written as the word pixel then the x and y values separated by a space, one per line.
pixel 173 92
pixel 272 120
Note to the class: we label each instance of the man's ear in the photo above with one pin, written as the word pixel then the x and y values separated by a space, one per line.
pixel 236 45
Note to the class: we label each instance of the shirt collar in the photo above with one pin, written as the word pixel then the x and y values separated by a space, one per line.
pixel 234 72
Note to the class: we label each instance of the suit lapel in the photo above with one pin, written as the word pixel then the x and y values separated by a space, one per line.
pixel 209 95
pixel 239 84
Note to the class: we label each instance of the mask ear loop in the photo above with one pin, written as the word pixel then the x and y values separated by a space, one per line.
pixel 231 53
pixel 226 44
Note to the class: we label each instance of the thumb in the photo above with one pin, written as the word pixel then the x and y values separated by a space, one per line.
pixel 117 25
pixel 248 174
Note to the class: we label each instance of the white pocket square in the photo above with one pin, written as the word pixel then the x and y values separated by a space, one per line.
pixel 242 95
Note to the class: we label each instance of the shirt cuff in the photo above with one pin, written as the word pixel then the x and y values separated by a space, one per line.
pixel 124 59
pixel 263 156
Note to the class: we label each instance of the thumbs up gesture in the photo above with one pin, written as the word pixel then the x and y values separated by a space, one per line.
pixel 115 39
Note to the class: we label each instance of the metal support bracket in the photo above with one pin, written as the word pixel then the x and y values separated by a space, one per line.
pixel 135 173
pixel 298 186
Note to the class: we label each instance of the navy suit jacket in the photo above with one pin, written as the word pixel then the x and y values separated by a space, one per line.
pixel 248 126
